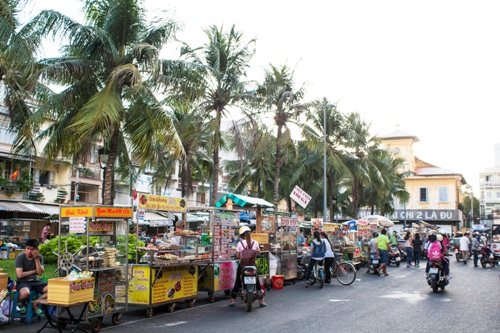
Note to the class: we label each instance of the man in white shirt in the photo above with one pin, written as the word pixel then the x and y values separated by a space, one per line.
pixel 464 247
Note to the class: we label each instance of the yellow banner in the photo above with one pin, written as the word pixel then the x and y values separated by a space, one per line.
pixel 138 290
pixel 175 283
pixel 158 202
pixel 76 211
pixel 113 212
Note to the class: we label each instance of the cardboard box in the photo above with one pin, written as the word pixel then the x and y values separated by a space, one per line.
pixel 68 292
pixel 3 281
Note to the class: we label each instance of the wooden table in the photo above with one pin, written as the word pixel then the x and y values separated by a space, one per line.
pixel 60 323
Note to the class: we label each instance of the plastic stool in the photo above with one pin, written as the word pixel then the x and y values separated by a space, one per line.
pixel 28 316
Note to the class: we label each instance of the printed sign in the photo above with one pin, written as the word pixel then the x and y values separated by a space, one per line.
pixel 101 227
pixel 138 290
pixel 300 196
pixel 225 275
pixel 113 212
pixel 158 202
pixel 76 211
pixel 77 225
pixel 174 283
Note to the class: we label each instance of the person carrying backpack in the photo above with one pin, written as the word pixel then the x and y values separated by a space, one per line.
pixel 318 251
pixel 437 252
pixel 246 251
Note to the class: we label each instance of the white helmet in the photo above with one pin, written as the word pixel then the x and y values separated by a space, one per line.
pixel 243 230
pixel 439 237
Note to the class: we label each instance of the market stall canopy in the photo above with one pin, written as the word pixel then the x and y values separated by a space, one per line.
pixel 480 227
pixel 243 201
pixel 191 217
pixel 380 220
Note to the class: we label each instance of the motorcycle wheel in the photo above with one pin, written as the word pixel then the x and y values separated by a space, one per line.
pixel 249 303
pixel 457 256
pixel 398 263
pixel 434 286
pixel 483 262
pixel 301 274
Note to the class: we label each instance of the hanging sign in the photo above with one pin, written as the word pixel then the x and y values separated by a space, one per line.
pixel 300 196
pixel 77 225
pixel 158 202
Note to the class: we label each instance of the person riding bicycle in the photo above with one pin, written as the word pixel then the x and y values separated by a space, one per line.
pixel 318 251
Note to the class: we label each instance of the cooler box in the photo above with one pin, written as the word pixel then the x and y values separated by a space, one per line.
pixel 68 292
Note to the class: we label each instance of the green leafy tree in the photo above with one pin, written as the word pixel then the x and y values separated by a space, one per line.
pixel 223 62
pixel 108 72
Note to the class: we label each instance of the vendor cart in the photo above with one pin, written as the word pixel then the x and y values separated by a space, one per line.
pixel 285 249
pixel 168 273
pixel 220 233
pixel 104 231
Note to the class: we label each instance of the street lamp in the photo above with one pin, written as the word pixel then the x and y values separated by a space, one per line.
pixel 324 158
pixel 103 162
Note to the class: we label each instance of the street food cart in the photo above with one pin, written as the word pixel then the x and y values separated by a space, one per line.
pixel 285 249
pixel 169 274
pixel 104 230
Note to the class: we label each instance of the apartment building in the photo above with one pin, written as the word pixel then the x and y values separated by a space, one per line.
pixel 489 187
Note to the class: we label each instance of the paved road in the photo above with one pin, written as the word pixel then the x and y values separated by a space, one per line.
pixel 400 302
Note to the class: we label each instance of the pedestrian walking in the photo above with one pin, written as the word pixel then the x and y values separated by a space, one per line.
pixel 475 247
pixel 417 249
pixel 409 249
pixel 464 247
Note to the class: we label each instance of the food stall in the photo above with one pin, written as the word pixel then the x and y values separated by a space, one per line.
pixel 169 274
pixel 105 255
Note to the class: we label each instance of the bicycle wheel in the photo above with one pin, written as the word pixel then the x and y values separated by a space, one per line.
pixel 346 273
pixel 321 277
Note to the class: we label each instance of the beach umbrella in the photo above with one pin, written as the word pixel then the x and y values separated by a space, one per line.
pixel 380 220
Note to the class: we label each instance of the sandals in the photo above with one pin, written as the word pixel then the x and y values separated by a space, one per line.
pixel 262 305
pixel 40 313
pixel 386 274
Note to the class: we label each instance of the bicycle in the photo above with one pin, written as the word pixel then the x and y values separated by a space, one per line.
pixel 345 272
pixel 318 274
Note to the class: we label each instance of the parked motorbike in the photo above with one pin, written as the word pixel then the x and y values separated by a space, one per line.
pixel 436 277
pixel 248 291
pixel 486 256
pixel 394 258
pixel 374 264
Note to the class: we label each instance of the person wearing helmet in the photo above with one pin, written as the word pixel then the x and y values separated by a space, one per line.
pixel 434 246
pixel 465 247
pixel 245 242
pixel 475 246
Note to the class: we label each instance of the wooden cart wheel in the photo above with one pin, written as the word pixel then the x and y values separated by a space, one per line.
pixel 211 297
pixel 191 303
pixel 171 307
pixel 227 292
pixel 116 319
pixel 149 312
pixel 95 325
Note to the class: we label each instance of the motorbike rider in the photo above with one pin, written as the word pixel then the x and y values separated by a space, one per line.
pixel 475 245
pixel 318 250
pixel 245 237
pixel 443 253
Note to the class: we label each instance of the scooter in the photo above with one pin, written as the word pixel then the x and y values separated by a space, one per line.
pixel 302 262
pixel 374 264
pixel 458 254
pixel 394 258
pixel 436 277
pixel 248 292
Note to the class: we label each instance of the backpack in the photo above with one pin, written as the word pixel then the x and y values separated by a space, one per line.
pixel 248 255
pixel 434 251
pixel 319 251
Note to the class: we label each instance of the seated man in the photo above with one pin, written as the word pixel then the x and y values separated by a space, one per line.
pixel 28 266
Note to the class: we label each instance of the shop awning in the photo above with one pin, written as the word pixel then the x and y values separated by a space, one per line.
pixel 244 201
pixel 191 217
pixel 154 217
pixel 14 207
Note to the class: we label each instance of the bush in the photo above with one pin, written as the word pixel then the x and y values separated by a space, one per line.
pixel 47 250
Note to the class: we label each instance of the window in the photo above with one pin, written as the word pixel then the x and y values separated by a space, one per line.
pixel 443 194
pixel 488 178
pixel 423 194
pixel 488 195
pixel 46 178
pixel 498 195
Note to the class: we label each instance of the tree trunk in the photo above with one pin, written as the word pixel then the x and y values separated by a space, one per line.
pixel 277 166
pixel 215 174
pixel 109 172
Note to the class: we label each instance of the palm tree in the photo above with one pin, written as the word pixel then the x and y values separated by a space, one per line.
pixel 106 71
pixel 277 95
pixel 18 47
pixel 223 65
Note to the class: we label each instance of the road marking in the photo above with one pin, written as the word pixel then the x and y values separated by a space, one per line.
pixel 412 298
pixel 339 300
pixel 173 324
